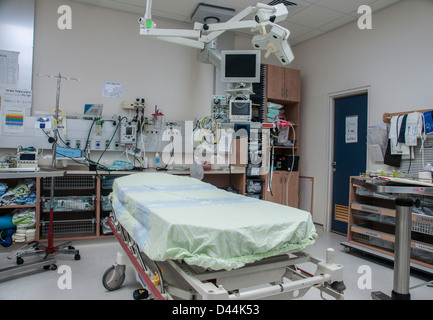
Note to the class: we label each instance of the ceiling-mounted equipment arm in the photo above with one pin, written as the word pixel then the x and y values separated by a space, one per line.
pixel 275 41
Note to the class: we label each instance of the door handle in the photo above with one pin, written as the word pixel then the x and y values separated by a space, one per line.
pixel 334 164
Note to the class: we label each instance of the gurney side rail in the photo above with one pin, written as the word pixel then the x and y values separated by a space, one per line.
pixel 149 284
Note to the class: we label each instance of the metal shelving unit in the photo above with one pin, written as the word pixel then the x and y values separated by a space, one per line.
pixel 74 206
pixel 382 221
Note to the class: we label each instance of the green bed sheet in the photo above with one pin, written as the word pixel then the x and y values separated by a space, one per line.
pixel 177 217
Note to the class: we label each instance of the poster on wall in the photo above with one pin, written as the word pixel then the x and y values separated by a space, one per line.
pixel 13 121
pixel 113 90
pixel 352 129
pixel 9 68
pixel 14 106
pixel 19 99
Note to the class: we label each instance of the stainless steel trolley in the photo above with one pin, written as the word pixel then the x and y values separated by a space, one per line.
pixel 403 222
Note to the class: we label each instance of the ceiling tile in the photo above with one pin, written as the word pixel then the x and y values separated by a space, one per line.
pixel 315 16
pixel 295 29
pixel 122 6
pixel 381 4
pixel 307 36
pixel 343 20
pixel 238 5
pixel 174 10
pixel 301 4
pixel 94 2
pixel 344 6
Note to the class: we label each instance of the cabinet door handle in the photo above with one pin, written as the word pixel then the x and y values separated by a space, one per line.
pixel 287 93
pixel 281 178
pixel 282 92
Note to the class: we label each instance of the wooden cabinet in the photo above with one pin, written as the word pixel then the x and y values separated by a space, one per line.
pixel 283 87
pixel 284 188
pixel 283 84
pixel 371 225
pixel 275 193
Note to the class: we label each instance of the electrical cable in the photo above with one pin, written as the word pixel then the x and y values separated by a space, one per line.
pixel 272 153
pixel 272 169
pixel 231 177
pixel 293 161
pixel 88 136
pixel 106 147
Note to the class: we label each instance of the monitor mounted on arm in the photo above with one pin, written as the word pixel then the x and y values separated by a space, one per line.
pixel 272 37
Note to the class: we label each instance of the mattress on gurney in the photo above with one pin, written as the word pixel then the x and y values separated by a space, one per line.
pixel 182 218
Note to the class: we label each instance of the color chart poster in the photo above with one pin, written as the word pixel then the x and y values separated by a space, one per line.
pixel 13 121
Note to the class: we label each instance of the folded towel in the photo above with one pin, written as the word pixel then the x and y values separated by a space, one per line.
pixel 24 218
pixel 6 221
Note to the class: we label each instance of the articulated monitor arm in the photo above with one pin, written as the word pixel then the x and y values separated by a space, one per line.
pixel 273 41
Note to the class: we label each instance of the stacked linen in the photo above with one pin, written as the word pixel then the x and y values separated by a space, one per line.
pixel 25 222
pixel 3 188
pixel 274 109
pixel 20 224
pixel 182 218
pixel 22 194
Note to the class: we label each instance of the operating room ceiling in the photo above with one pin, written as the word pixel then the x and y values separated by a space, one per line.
pixel 307 18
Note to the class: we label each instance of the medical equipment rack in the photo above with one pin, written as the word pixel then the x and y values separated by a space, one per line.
pixel 71 182
pixel 173 279
pixel 106 187
pixel 382 222
pixel 69 203
pixel 66 226
pixel 34 248
pixel 74 206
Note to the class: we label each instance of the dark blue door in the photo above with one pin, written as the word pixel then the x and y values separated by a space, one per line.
pixel 350 150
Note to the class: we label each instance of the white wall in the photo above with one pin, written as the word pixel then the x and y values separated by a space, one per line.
pixel 395 59
pixel 105 45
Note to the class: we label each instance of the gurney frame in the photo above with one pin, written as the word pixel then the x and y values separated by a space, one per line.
pixel 276 277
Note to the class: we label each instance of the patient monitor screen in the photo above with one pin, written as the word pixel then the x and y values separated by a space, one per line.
pixel 240 66
pixel 241 108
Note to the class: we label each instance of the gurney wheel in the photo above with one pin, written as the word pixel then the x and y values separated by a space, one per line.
pixel 113 278
pixel 140 294
pixel 50 267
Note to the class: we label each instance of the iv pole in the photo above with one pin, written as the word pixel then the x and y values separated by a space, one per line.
pixel 65 247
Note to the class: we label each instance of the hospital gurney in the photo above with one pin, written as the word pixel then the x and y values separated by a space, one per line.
pixel 187 239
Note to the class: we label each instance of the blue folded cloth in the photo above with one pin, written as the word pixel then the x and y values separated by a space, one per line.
pixel 6 237
pixel 6 221
pixel 3 187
